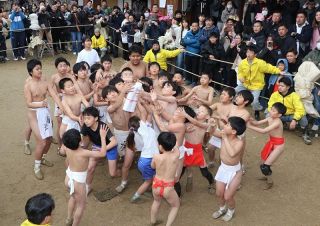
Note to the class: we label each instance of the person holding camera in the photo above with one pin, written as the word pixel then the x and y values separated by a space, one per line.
pixel 58 34
pixel 44 22
pixel 115 22
pixel 76 35
pixel 18 36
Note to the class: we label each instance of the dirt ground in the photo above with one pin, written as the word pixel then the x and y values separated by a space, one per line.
pixel 294 200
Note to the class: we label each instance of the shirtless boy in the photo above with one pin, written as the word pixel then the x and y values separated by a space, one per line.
pixel 80 71
pixel 106 71
pixel 154 69
pixel 158 84
pixel 201 94
pixel 275 146
pixel 35 92
pixel 178 78
pixel 139 68
pixel 76 174
pixel 71 103
pixel 165 164
pixel 221 112
pixel 229 174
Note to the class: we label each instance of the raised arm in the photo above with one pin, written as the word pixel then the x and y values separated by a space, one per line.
pixel 231 150
pixel 112 108
pixel 264 130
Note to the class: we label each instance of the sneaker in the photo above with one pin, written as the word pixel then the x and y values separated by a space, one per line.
pixel 228 216
pixel 69 222
pixel 27 149
pixel 219 213
pixel 15 59
pixel 38 174
pixel 121 187
pixel 45 162
pixel 306 139
pixel 135 199
pixel 6 58
pixel 23 58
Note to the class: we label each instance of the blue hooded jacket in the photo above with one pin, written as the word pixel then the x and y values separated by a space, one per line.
pixel 191 42
pixel 205 33
pixel 17 20
pixel 274 78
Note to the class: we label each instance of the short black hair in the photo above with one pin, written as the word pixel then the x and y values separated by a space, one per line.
pixel 167 140
pixel 108 89
pixel 292 50
pixel 208 109
pixel 39 207
pixel 32 64
pixel 238 124
pixel 230 91
pixel 95 67
pixel 280 107
pixel 135 49
pixel 116 80
pixel 283 25
pixel 253 48
pixel 175 87
pixel 301 11
pixel 91 111
pixel 79 66
pixel 63 81
pixel 71 139
pixel 147 83
pixel 86 38
pixel 247 96
pixel 154 63
pixel 59 60
pixel 106 58
pixel 286 81
pixel 189 111
pixel 126 69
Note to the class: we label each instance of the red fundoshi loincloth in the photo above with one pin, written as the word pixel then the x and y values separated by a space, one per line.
pixel 197 158
pixel 268 148
pixel 157 183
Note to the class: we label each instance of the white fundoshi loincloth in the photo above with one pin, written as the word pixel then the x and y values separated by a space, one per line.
pixel 71 124
pixel 226 173
pixel 121 137
pixel 44 121
pixel 103 114
pixel 80 177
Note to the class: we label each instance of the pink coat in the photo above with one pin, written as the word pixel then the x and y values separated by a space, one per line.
pixel 315 38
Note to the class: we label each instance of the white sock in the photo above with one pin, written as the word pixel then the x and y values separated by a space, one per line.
pixel 124 182
pixel 230 212
pixel 26 142
pixel 136 195
pixel 37 164
pixel 222 208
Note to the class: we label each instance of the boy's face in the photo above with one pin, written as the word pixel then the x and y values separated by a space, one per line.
pixel 135 58
pixel 37 71
pixel 112 96
pixel 227 129
pixel 89 120
pixel 154 70
pixel 120 86
pixel 82 74
pixel 177 78
pixel 69 88
pixel 127 77
pixel 225 98
pixel 87 44
pixel 202 113
pixel 62 68
pixel 162 79
pixel 107 65
pixel 204 80
pixel 281 66
pixel 167 90
pixel 250 54
pixel 274 113
pixel 239 100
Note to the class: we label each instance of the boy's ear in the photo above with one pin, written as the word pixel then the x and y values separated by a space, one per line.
pixel 234 132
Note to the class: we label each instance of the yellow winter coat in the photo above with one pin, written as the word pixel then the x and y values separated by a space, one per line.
pixel 98 43
pixel 161 57
pixel 253 74
pixel 292 101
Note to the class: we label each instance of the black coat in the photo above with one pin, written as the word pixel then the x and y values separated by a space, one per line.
pixel 216 50
pixel 260 39
pixel 304 38
pixel 286 43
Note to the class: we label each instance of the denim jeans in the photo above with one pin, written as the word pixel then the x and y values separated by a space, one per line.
pixel 76 41
pixel 256 94
pixel 303 122
pixel 316 103
pixel 180 63
pixel 18 41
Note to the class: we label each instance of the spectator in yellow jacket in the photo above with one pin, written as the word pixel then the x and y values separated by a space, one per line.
pixel 155 54
pixel 251 76
pixel 99 42
pixel 295 109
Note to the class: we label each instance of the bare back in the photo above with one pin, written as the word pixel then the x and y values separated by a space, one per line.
pixel 166 165
pixel 77 161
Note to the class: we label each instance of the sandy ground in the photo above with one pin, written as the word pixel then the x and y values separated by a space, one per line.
pixel 294 200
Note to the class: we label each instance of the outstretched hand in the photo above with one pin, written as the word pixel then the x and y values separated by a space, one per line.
pixel 103 130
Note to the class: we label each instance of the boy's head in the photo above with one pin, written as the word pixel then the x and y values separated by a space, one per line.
pixel 90 116
pixel 281 65
pixel 166 141
pixel 154 68
pixel 61 64
pixel 163 77
pixel 66 85
pixel 235 126
pixel 244 97
pixel 71 139
pixel 127 75
pixel 170 88
pixel 205 79
pixel 178 78
pixel 34 68
pixel 80 70
pixel 110 93
pixel 39 209
pixel 106 62
pixel 178 114
pixel 277 110
pixel 204 112
pixel 227 95
pixel 147 84
pixel 135 53
pixel 87 42
pixel 251 52
pixel 117 82
pixel 284 85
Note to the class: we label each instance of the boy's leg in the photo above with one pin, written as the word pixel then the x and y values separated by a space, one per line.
pixel 220 189
pixel 91 168
pixel 128 159
pixel 112 167
pixel 27 134
pixel 211 154
pixel 274 155
pixel 155 207
pixel 174 201
pixel 80 197
pixel 71 206
pixel 142 189
pixel 59 121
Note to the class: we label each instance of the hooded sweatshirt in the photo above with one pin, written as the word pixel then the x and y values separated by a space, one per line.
pixel 273 80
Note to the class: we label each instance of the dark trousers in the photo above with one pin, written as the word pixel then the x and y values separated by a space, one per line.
pixel 213 71
pixel 58 35
pixel 116 37
pixel 125 54
pixel 230 77
pixel 18 40
pixel 192 65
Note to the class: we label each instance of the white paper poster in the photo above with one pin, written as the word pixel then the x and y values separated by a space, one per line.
pixel 162 3
pixel 170 11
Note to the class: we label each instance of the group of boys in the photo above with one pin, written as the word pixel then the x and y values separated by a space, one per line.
pixel 150 112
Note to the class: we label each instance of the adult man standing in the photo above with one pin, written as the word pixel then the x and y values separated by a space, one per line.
pixel 18 36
